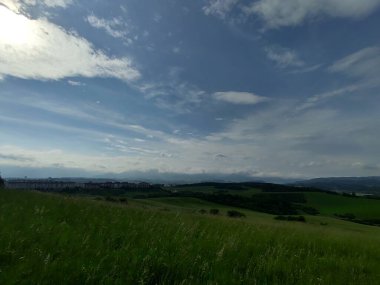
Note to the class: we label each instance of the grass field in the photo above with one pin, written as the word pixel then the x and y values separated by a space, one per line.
pixel 49 239
pixel 337 204
pixel 247 191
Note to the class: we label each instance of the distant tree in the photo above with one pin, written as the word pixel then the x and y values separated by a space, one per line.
pixel 235 214
pixel 123 200
pixel 291 218
pixel 309 210
pixel 346 216
pixel 214 211
pixel 110 199
pixel 2 182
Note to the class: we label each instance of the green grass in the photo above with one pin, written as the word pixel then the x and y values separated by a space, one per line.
pixel 194 206
pixel 203 189
pixel 246 191
pixel 179 203
pixel 336 204
pixel 48 239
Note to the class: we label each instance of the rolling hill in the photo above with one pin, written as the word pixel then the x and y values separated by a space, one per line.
pixel 171 237
pixel 368 185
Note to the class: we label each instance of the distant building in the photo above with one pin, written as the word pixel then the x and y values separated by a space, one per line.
pixel 41 184
pixel 56 185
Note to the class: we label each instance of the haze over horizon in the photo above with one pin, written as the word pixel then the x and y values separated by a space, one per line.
pixel 259 88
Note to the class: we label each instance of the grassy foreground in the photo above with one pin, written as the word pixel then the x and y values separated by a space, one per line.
pixel 48 239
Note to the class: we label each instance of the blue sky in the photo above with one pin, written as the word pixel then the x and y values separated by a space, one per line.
pixel 256 88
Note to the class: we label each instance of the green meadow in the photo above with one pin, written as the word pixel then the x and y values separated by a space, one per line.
pixel 336 204
pixel 54 239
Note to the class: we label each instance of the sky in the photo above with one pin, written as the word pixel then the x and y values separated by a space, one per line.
pixel 245 88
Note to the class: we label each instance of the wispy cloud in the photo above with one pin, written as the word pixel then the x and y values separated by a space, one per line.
pixel 324 136
pixel 97 116
pixel 172 93
pixel 38 49
pixel 13 157
pixel 57 3
pixel 219 8
pixel 18 5
pixel 37 124
pixel 279 13
pixel 75 83
pixel 300 142
pixel 284 57
pixel 48 3
pixel 306 69
pixel 363 64
pixel 316 99
pixel 236 97
pixel 115 27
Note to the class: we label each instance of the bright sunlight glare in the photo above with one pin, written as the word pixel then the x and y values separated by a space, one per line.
pixel 15 29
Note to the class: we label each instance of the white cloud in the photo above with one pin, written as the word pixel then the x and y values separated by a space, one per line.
pixel 75 83
pixel 219 8
pixel 284 57
pixel 306 69
pixel 172 93
pixel 97 116
pixel 60 158
pixel 329 137
pixel 38 49
pixel 48 3
pixel 278 13
pixel 314 100
pixel 115 27
pixel 58 3
pixel 157 18
pixel 239 97
pixel 364 63
pixel 13 5
pixel 315 142
pixel 17 5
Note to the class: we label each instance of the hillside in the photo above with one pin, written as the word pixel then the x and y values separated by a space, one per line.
pixel 368 185
pixel 53 239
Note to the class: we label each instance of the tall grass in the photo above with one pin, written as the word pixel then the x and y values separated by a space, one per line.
pixel 46 239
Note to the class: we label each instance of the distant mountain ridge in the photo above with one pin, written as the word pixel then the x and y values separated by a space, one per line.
pixel 370 185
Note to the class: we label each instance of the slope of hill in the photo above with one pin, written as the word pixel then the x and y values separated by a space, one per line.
pixel 53 239
pixel 370 185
